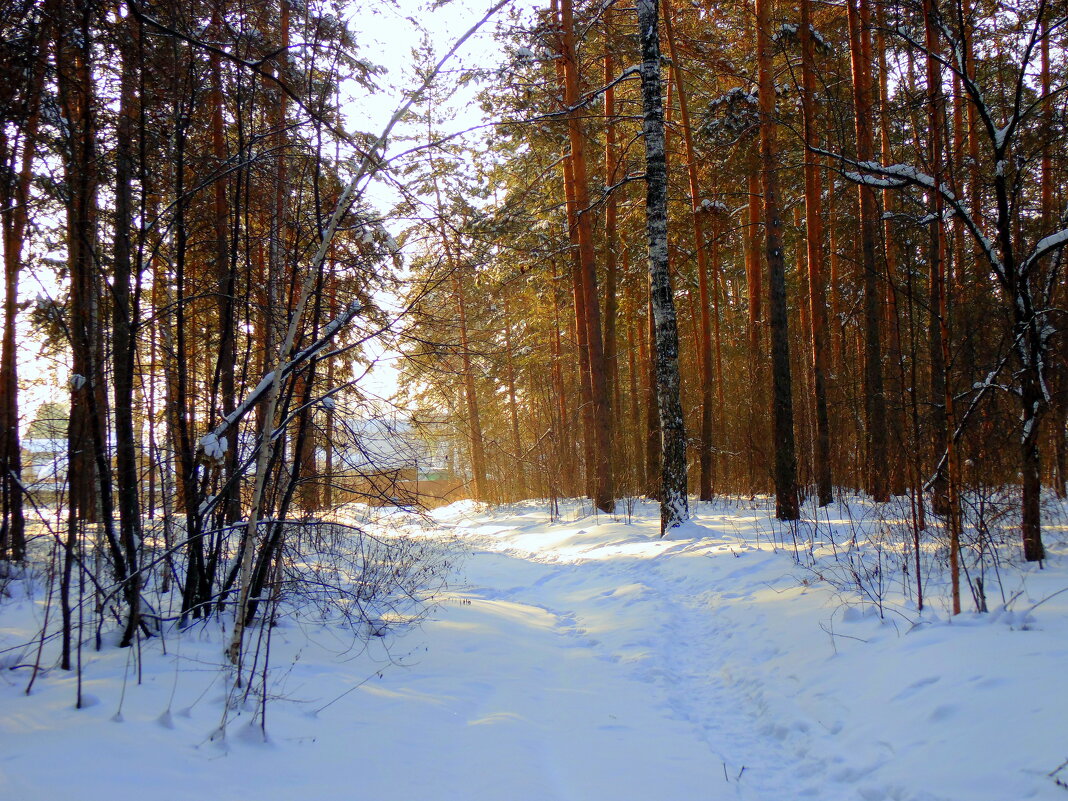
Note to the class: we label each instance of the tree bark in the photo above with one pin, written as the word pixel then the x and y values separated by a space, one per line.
pixel 895 376
pixel 875 400
pixel 816 281
pixel 674 503
pixel 653 439
pixel 474 419
pixel 943 417
pixel 520 488
pixel 611 236
pixel 14 202
pixel 604 489
pixel 786 500
pixel 1060 400
pixel 938 422
pixel 582 342
pixel 226 279
pixel 697 213
pixel 124 322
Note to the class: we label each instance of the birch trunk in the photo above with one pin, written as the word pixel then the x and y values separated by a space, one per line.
pixel 674 504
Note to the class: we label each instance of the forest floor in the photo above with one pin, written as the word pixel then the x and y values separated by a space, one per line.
pixel 580 657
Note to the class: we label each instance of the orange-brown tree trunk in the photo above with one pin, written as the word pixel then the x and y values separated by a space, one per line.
pixel 697 212
pixel 604 487
pixel 785 460
pixel 943 419
pixel 817 295
pixel 17 160
pixel 875 400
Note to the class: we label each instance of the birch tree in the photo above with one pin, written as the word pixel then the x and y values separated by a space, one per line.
pixel 674 504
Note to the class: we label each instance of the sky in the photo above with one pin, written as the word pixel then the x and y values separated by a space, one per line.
pixel 387 34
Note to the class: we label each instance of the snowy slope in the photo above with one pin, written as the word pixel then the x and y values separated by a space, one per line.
pixel 583 658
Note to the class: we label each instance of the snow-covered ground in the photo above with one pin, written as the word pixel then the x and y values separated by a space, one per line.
pixel 583 658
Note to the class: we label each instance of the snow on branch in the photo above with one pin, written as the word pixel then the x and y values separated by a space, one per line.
pixel 872 173
pixel 871 180
pixel 213 444
pixel 1045 246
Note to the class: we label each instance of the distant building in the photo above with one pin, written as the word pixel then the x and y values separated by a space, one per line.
pixel 387 461
pixel 44 466
pixel 44 452
pixel 378 460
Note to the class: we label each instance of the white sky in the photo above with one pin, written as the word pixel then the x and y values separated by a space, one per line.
pixel 387 34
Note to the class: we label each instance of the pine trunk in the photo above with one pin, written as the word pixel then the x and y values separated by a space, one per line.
pixel 816 274
pixel 875 400
pixel 226 279
pixel 785 475
pixel 124 319
pixel 14 202
pixel 474 420
pixel 943 417
pixel 697 211
pixel 604 488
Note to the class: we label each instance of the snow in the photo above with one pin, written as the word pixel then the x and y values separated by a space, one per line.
pixel 786 31
pixel 1045 245
pixel 213 447
pixel 584 657
pixel 1000 135
pixel 1052 242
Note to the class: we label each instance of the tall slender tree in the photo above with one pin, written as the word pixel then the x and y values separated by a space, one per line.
pixel 860 50
pixel 604 484
pixel 786 500
pixel 674 504
pixel 815 257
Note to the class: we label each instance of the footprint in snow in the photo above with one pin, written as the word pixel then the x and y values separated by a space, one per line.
pixel 943 712
pixel 915 687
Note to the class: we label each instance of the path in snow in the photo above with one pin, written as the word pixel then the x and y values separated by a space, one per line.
pixel 647 643
pixel 582 659
pixel 711 666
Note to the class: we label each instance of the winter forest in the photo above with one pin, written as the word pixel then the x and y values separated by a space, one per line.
pixel 548 399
